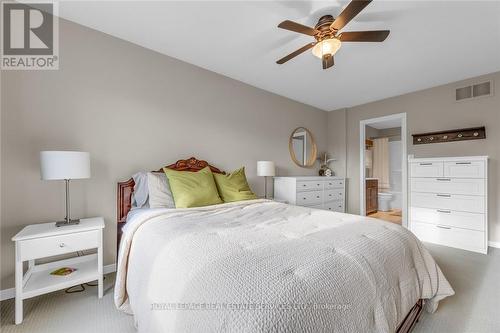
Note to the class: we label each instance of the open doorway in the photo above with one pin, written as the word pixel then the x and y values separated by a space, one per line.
pixel 383 166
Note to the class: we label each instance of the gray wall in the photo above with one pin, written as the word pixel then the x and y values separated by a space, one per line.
pixel 428 110
pixel 132 109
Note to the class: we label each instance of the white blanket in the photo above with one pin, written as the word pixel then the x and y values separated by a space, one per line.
pixel 263 266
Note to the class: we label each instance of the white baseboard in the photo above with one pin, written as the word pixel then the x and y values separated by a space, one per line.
pixel 494 244
pixel 11 292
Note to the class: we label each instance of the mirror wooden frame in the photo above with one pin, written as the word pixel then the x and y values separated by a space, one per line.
pixel 314 149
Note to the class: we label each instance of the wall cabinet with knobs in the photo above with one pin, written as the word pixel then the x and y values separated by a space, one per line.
pixel 316 192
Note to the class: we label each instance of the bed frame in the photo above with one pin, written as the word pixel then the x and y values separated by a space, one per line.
pixel 124 204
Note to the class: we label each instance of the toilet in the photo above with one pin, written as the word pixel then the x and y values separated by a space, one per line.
pixel 384 201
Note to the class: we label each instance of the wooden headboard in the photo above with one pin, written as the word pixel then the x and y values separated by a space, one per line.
pixel 125 189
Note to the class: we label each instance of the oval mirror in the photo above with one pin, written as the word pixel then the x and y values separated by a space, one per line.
pixel 302 147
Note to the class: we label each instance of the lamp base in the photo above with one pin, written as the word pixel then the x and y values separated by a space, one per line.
pixel 65 223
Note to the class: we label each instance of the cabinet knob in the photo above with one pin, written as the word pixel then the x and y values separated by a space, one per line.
pixel 62 245
pixel 317 196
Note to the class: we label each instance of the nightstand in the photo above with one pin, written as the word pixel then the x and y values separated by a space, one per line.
pixel 45 240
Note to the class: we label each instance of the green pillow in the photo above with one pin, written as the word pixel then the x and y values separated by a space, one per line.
pixel 193 189
pixel 234 186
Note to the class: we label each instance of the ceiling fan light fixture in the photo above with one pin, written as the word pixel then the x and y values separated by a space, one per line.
pixel 326 46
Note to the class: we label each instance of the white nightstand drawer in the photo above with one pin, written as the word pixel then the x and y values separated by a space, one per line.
pixel 471 240
pixel 329 184
pixel 449 218
pixel 335 206
pixel 462 203
pixel 335 194
pixel 426 169
pixel 309 185
pixel 310 198
pixel 60 244
pixel 465 186
pixel 465 169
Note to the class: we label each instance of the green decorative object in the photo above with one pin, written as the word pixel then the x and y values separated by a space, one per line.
pixel 193 189
pixel 234 186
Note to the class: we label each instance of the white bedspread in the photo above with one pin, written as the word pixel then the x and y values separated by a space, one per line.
pixel 263 266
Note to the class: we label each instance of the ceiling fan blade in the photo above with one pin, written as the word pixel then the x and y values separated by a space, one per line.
pixel 297 27
pixel 295 53
pixel 327 61
pixel 349 13
pixel 364 36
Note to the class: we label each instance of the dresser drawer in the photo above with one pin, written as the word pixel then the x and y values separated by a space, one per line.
pixel 455 237
pixel 426 169
pixel 55 245
pixel 465 169
pixel 466 186
pixel 463 203
pixel 309 185
pixel 310 198
pixel 335 194
pixel 336 206
pixel 329 184
pixel 450 218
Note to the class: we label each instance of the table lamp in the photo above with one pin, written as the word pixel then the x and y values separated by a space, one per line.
pixel 65 165
pixel 265 169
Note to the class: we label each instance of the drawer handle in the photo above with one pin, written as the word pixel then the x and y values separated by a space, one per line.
pixel 440 226
pixel 304 198
pixel 317 196
pixel 463 162
pixel 444 211
pixel 444 195
pixel 304 185
pixel 425 163
pixel 444 179
pixel 329 195
pixel 318 184
pixel 62 245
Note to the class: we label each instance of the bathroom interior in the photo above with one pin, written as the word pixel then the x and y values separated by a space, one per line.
pixel 383 159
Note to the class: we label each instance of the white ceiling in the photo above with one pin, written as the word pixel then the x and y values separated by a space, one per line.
pixel 431 43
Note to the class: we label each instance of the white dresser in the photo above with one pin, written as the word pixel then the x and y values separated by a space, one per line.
pixel 316 192
pixel 449 201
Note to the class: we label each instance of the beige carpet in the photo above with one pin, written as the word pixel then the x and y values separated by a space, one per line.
pixel 474 308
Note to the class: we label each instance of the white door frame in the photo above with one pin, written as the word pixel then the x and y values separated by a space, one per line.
pixel 404 161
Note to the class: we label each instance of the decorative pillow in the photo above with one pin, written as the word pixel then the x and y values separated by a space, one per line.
pixel 193 189
pixel 160 195
pixel 234 186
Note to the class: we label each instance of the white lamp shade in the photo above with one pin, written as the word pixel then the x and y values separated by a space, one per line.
pixel 266 168
pixel 56 165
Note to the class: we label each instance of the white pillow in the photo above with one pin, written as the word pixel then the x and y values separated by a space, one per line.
pixel 160 195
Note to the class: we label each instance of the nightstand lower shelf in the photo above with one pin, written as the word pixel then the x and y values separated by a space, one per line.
pixel 39 281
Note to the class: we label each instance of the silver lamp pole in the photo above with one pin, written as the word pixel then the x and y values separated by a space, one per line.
pixel 67 219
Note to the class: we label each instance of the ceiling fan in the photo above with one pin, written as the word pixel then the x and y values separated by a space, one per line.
pixel 328 38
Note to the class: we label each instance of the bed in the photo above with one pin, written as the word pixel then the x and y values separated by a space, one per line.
pixel 264 266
